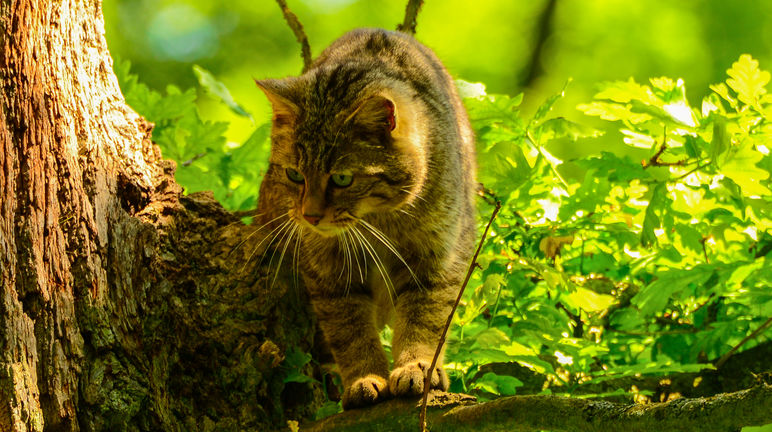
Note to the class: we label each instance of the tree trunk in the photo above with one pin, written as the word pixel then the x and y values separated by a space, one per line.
pixel 124 305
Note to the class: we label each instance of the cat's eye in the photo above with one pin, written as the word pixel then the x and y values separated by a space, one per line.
pixel 294 175
pixel 342 180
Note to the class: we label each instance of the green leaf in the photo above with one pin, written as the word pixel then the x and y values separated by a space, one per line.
pixel 468 89
pixel 722 90
pixel 218 90
pixel 494 109
pixel 490 338
pixel 546 107
pixel 504 385
pixel 297 377
pixel 559 127
pixel 626 91
pixel 492 286
pixel 748 80
pixel 613 167
pixel 255 150
pixel 626 319
pixel 588 300
pixel 744 271
pixel 295 358
pixel 655 296
pixel 637 139
pixel 327 409
pixel 659 201
pixel 721 141
pixel 742 169
pixel 613 112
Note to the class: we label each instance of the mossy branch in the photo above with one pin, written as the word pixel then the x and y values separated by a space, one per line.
pixel 720 413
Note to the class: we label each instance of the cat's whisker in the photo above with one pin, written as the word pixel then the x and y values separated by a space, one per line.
pixel 245 214
pixel 280 234
pixel 408 213
pixel 414 195
pixel 378 234
pixel 292 232
pixel 296 256
pixel 343 246
pixel 278 228
pixel 255 231
pixel 356 257
pixel 348 262
pixel 378 263
pixel 289 228
pixel 340 249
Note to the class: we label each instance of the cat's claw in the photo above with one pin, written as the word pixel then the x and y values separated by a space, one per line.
pixel 408 379
pixel 365 391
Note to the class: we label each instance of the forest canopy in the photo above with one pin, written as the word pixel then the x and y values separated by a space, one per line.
pixel 635 233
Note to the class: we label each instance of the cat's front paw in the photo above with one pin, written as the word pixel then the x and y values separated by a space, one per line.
pixel 408 379
pixel 365 391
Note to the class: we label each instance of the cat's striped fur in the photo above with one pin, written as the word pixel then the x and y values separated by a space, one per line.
pixel 372 172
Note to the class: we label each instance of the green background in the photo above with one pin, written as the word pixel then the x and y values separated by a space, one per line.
pixel 490 41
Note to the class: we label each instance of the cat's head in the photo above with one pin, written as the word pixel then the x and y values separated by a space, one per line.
pixel 345 151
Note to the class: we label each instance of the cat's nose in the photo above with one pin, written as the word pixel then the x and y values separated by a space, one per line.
pixel 313 219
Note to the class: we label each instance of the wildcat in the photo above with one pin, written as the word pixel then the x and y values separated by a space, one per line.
pixel 372 176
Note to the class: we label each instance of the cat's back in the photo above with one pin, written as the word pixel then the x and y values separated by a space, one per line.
pixel 389 53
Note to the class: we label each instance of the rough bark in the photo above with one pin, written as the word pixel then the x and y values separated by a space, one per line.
pixel 123 305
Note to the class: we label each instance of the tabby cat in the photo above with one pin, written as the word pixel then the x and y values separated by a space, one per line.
pixel 371 187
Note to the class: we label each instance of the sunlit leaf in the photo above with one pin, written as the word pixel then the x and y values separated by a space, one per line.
pixel 218 90
pixel 468 89
pixel 656 295
pixel 498 384
pixel 742 169
pixel 559 128
pixel 588 300
pixel 747 79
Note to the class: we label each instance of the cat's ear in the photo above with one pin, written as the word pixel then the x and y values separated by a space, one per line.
pixel 377 113
pixel 279 92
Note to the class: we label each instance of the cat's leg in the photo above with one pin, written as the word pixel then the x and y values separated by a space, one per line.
pixel 421 316
pixel 348 324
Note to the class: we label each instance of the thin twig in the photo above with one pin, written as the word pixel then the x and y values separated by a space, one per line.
pixel 411 12
pixel 193 159
pixel 705 249
pixel 656 160
pixel 427 377
pixel 699 167
pixel 300 34
pixel 755 333
pixel 487 194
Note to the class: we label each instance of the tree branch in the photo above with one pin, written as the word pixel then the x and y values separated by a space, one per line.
pixel 534 68
pixel 411 12
pixel 723 412
pixel 300 34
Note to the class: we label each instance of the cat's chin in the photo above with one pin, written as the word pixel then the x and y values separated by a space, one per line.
pixel 327 230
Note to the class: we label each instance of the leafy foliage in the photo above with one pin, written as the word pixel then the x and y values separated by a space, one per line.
pixel 644 267
pixel 647 267
pixel 205 161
